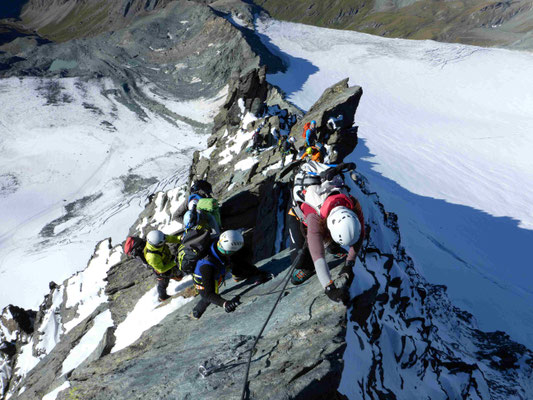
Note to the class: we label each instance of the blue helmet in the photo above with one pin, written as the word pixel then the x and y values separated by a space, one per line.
pixel 313 122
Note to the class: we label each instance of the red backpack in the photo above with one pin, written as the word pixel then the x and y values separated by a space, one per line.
pixel 306 127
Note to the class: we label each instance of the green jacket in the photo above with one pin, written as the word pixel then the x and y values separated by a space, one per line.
pixel 160 258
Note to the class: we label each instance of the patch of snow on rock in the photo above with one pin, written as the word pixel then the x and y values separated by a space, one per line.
pixel 53 394
pixel 88 343
pixel 86 289
pixel 147 314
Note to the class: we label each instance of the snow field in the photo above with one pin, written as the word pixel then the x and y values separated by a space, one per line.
pixel 446 133
pixel 77 168
pixel 149 312
pixel 88 343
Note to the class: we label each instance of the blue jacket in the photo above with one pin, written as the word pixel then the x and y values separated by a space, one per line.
pixel 310 137
pixel 213 260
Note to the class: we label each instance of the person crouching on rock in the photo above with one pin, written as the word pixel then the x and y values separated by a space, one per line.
pixel 159 257
pixel 326 214
pixel 210 272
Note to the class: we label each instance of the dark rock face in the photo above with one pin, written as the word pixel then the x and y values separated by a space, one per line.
pixel 20 320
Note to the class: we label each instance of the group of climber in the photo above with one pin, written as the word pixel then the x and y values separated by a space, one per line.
pixel 203 251
pixel 324 217
pixel 314 148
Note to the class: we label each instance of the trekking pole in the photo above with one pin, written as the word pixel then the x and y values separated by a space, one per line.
pixel 296 261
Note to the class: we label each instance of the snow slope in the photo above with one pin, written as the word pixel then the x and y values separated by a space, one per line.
pixel 77 165
pixel 447 136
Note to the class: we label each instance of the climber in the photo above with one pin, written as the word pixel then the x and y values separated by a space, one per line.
pixel 210 272
pixel 257 140
pixel 324 211
pixel 158 256
pixel 314 153
pixel 310 134
pixel 286 147
pixel 200 219
pixel 201 200
pixel 333 125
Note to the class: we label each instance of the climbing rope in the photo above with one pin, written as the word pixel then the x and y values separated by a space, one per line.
pixel 296 261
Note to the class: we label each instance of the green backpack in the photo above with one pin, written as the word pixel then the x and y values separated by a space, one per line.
pixel 210 206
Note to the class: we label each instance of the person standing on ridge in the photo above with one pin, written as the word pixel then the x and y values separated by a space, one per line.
pixel 201 200
pixel 210 272
pixel 311 134
pixel 325 213
pixel 286 147
pixel 158 256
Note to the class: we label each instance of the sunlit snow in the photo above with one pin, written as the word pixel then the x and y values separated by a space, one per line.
pixel 149 312
pixel 77 166
pixel 446 137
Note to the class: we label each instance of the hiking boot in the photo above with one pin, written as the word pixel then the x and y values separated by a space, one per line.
pixel 177 278
pixel 263 277
pixel 195 314
pixel 299 276
pixel 163 298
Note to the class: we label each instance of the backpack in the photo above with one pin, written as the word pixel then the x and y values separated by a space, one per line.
pixel 310 175
pixel 194 246
pixel 306 127
pixel 134 248
pixel 210 205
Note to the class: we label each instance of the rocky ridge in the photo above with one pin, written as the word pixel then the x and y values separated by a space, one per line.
pixel 186 50
pixel 401 337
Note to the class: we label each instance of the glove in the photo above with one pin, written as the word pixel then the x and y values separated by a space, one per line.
pixel 337 294
pixel 232 304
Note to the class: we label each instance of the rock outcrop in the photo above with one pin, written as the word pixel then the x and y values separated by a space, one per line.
pixel 253 186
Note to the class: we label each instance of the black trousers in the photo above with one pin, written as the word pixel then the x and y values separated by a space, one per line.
pixel 240 269
pixel 297 240
pixel 164 279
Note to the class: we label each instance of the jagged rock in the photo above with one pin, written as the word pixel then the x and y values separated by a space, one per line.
pixel 15 319
pixel 259 200
pixel 306 325
pixel 127 282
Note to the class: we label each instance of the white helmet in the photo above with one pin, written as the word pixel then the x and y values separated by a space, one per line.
pixel 344 226
pixel 292 139
pixel 230 242
pixel 155 238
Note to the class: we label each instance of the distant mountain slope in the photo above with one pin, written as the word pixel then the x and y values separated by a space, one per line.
pixel 504 23
pixel 61 20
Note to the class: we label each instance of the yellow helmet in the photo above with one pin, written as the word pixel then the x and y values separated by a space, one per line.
pixel 309 151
